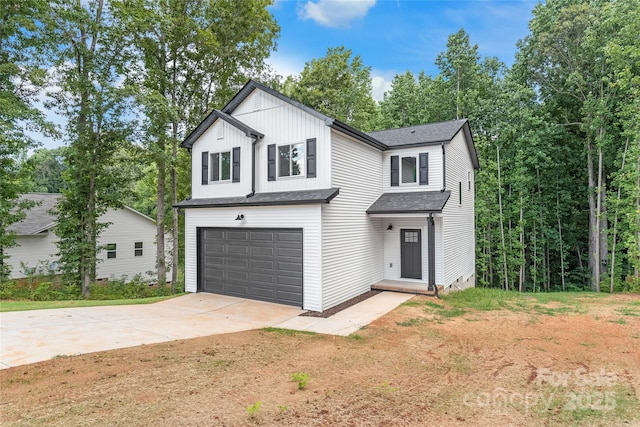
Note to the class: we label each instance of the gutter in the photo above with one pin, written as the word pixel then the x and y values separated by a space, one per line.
pixel 444 170
pixel 256 138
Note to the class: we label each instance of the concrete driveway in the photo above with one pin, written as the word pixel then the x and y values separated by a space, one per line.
pixel 34 336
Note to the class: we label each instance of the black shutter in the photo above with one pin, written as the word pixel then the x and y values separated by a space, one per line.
pixel 205 168
pixel 311 158
pixel 395 171
pixel 236 165
pixel 424 169
pixel 215 167
pixel 271 162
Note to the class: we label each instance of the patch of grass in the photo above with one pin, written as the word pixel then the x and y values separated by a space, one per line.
pixel 433 305
pixel 482 299
pixel 287 332
pixel 253 410
pixel 355 337
pixel 6 305
pixel 588 344
pixel 411 303
pixel 414 321
pixel 454 312
pixel 627 311
pixel 301 378
pixel 620 321
pixel 386 388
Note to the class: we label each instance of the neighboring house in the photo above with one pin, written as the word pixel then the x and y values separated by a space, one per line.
pixel 294 207
pixel 129 242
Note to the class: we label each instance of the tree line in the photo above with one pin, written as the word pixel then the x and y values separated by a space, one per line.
pixel 557 133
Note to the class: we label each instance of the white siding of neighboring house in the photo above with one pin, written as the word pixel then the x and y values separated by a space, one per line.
pixel 351 240
pixel 34 251
pixel 221 137
pixel 306 217
pixel 282 124
pixel 126 228
pixel 435 169
pixel 392 251
pixel 458 219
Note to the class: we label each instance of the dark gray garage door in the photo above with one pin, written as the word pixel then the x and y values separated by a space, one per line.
pixel 256 263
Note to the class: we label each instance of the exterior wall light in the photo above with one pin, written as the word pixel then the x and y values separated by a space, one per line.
pixel 240 217
pixel 390 227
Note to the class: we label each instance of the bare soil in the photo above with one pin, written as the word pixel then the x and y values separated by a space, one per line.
pixel 425 363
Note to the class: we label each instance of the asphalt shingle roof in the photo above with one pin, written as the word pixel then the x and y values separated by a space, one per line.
pixel 265 199
pixel 414 202
pixel 419 134
pixel 38 218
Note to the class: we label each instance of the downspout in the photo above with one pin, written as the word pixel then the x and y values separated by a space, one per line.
pixel 253 166
pixel 444 170
pixel 431 248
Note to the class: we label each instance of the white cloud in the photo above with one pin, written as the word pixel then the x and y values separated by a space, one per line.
pixel 285 65
pixel 335 13
pixel 381 83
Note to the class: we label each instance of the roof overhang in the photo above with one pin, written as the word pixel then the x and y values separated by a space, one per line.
pixel 210 120
pixel 419 202
pixel 282 198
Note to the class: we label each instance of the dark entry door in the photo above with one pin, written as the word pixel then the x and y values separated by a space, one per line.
pixel 411 254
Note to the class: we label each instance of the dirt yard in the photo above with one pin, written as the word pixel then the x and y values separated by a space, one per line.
pixel 573 361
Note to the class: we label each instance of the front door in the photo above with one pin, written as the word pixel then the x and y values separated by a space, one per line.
pixel 411 254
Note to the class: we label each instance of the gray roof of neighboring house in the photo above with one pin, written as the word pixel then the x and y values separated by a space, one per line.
pixel 265 199
pixel 413 202
pixel 210 119
pixel 38 218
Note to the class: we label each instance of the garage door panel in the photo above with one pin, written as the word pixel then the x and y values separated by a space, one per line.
pixel 264 264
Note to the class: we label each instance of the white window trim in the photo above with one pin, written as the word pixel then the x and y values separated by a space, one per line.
pixel 304 159
pixel 220 181
pixel 409 184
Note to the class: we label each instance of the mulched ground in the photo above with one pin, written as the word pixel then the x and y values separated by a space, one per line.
pixel 338 308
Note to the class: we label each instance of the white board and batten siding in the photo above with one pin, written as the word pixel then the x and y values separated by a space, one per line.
pixel 392 250
pixel 126 228
pixel 351 240
pixel 458 219
pixel 306 217
pixel 435 169
pixel 221 137
pixel 283 124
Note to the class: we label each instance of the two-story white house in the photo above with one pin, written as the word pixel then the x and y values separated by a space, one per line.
pixel 294 207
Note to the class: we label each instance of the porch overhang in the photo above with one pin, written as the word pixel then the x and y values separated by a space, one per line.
pixel 419 202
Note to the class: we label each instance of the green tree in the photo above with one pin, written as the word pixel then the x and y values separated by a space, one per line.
pixel 44 169
pixel 87 53
pixel 21 78
pixel 340 87
pixel 194 55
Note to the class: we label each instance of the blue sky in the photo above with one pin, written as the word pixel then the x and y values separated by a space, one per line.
pixel 393 36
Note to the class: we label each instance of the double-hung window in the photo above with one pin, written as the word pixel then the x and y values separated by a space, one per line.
pixel 221 166
pixel 138 249
pixel 111 250
pixel 409 170
pixel 291 160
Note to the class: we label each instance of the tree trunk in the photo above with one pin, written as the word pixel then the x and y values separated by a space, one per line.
pixel 615 223
pixel 594 246
pixel 502 239
pixel 522 259
pixel 161 266
pixel 174 200
pixel 560 236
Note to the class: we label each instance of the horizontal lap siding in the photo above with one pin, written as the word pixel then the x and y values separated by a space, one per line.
pixel 352 242
pixel 306 218
pixel 392 246
pixel 34 251
pixel 458 222
pixel 435 169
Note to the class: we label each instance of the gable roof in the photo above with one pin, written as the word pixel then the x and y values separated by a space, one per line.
pixel 413 202
pixel 39 218
pixel 431 133
pixel 210 120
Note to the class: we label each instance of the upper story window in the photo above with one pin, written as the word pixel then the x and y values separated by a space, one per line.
pixel 291 160
pixel 221 166
pixel 410 170
pixel 224 167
